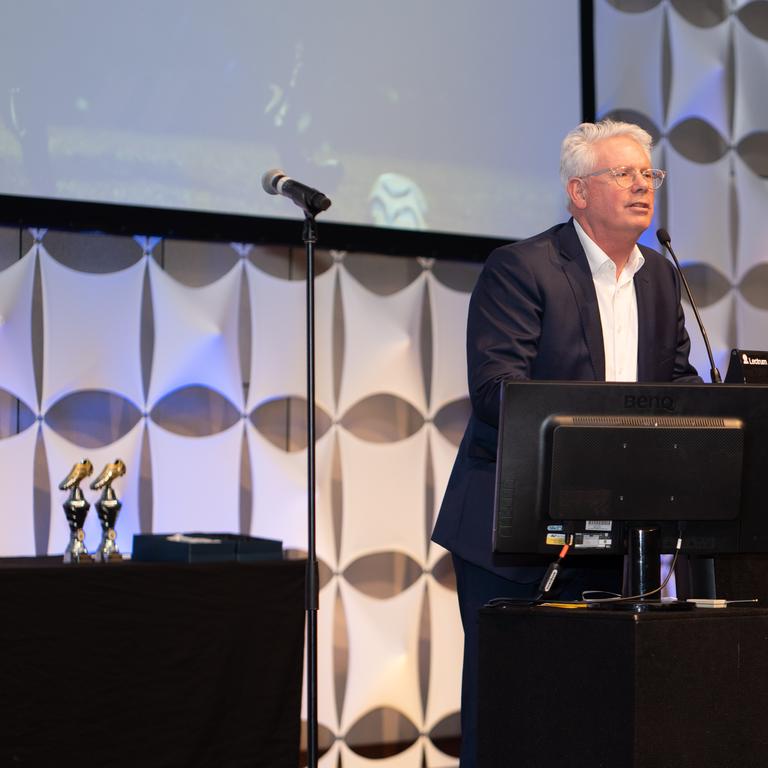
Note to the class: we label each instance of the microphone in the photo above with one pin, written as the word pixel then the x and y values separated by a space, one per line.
pixel 312 202
pixel 666 242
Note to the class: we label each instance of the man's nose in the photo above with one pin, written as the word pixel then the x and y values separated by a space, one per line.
pixel 640 183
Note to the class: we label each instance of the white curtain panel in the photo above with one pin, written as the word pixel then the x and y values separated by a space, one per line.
pixel 383 497
pixel 752 324
pixel 382 349
pixel 17 374
pixel 279 338
pixel 62 455
pixel 658 160
pixel 752 195
pixel 195 481
pixel 17 461
pixel 448 309
pixel 700 230
pixel 383 653
pixel 91 330
pixel 408 758
pixel 716 319
pixel 437 758
pixel 628 60
pixel 331 758
pixel 326 691
pixel 196 335
pixel 446 652
pixel 443 456
pixel 699 86
pixel 279 487
pixel 750 105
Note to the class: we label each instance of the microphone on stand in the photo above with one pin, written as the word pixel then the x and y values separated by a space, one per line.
pixel 312 202
pixel 666 242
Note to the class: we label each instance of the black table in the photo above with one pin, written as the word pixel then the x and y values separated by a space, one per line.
pixel 578 688
pixel 143 664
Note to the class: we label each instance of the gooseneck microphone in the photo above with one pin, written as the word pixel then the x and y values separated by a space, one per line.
pixel 666 242
pixel 312 202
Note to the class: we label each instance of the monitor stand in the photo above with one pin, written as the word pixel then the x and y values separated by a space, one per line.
pixel 642 574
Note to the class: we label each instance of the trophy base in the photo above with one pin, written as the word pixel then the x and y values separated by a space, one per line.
pixel 108 557
pixel 83 557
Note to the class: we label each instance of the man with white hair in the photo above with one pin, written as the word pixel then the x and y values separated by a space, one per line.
pixel 579 302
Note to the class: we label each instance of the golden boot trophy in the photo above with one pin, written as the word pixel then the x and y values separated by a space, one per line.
pixel 107 508
pixel 76 509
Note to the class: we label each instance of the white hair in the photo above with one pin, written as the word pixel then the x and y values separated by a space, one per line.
pixel 577 152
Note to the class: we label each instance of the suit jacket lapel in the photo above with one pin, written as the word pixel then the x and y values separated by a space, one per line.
pixel 646 325
pixel 576 268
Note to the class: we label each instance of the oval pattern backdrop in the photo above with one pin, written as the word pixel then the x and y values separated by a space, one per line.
pixel 187 360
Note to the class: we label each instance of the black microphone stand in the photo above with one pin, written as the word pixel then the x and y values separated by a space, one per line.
pixel 664 239
pixel 309 236
pixel 701 570
pixel 311 202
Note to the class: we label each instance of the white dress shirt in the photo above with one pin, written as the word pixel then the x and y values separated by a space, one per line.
pixel 617 302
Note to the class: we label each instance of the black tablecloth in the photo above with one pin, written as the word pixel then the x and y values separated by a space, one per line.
pixel 139 664
pixel 586 688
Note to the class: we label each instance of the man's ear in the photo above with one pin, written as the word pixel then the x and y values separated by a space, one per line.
pixel 577 192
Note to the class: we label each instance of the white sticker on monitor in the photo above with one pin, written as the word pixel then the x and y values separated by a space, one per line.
pixel 598 525
pixel 593 541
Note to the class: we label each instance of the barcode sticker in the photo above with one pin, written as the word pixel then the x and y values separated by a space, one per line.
pixel 598 525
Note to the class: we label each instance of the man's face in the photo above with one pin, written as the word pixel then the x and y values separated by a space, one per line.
pixel 609 208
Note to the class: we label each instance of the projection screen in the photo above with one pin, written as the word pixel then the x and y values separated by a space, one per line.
pixel 437 115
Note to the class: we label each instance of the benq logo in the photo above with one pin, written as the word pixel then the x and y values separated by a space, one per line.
pixel 664 402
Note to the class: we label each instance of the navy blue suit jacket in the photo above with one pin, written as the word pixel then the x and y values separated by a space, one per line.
pixel 534 315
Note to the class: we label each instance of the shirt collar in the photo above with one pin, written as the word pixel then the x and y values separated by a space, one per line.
pixel 599 261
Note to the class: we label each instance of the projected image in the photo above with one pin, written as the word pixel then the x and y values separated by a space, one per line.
pixel 410 115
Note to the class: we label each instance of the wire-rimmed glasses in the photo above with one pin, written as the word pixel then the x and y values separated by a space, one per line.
pixel 625 175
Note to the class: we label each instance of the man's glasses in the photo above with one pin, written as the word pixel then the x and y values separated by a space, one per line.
pixel 625 176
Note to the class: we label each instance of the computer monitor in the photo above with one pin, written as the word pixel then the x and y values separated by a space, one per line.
pixel 590 460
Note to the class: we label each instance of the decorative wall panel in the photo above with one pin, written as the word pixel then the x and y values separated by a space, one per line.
pixel 752 197
pixel 195 481
pixel 702 230
pixel 382 343
pixel 628 66
pixel 383 497
pixel 448 310
pixel 278 333
pixel 386 631
pixel 446 654
pixel 16 284
pixel 196 342
pixel 700 64
pixel 91 326
pixel 279 488
pixel 750 108
pixel 443 453
pixel 17 481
